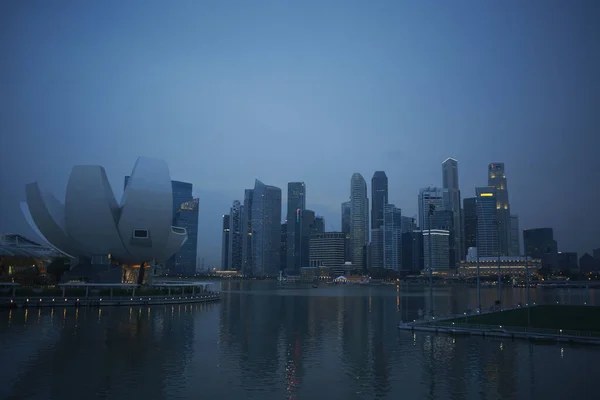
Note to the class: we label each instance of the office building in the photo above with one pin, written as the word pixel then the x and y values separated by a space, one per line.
pixel 327 249
pixel 184 261
pixel 497 179
pixel 283 247
pixel 379 198
pixel 346 228
pixel 319 225
pixel 266 229
pixel 567 261
pixel 307 226
pixel 450 183
pixel 515 246
pixel 540 245
pixel 439 198
pixel 408 224
pixel 392 237
pixel 469 222
pixel 412 252
pixel 487 227
pixel 247 258
pixel 296 203
pixel 225 237
pixel 439 240
pixel 444 220
pixel 359 220
pixel 235 233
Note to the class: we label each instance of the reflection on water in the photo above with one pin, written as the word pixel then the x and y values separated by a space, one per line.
pixel 263 341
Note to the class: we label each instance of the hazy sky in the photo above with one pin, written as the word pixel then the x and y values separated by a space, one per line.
pixel 230 91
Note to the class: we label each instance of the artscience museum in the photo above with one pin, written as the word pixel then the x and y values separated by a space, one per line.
pixel 109 240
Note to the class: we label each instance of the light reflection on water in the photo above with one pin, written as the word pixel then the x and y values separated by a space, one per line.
pixel 265 342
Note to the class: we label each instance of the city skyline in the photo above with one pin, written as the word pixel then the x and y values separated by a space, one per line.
pixel 397 88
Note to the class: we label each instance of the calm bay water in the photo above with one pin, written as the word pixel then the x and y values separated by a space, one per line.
pixel 265 342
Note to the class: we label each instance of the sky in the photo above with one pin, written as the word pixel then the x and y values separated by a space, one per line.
pixel 230 91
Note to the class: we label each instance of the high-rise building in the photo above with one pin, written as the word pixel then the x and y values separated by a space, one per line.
pixel 392 237
pixel 247 258
pixel 359 219
pixel 540 245
pixel 266 229
pixel 185 215
pixel 283 247
pixel 450 183
pixel 307 223
pixel 225 243
pixel 408 224
pixel 497 179
pixel 487 226
pixel 296 203
pixel 469 222
pixel 379 198
pixel 515 247
pixel 327 249
pixel 437 197
pixel 407 251
pixel 568 261
pixel 346 229
pixel 444 220
pixel 319 225
pixel 440 249
pixel 235 234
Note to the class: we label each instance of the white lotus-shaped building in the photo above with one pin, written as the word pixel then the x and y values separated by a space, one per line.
pixel 92 224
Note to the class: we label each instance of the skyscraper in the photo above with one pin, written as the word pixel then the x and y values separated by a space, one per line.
pixel 296 203
pixel 225 243
pixel 439 240
pixel 235 234
pixel 359 219
pixel 307 225
pixel 440 198
pixel 319 225
pixel 450 183
pixel 515 247
pixel 444 220
pixel 540 245
pixel 346 228
pixel 392 237
pixel 379 198
pixel 469 224
pixel 327 249
pixel 487 226
pixel 247 260
pixel 266 229
pixel 497 179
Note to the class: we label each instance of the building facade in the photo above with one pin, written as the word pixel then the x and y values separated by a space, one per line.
pixel 392 237
pixel 379 198
pixel 487 226
pixel 327 249
pixel 184 261
pixel 247 258
pixel 225 236
pixel 515 246
pixel 266 230
pixel 296 203
pixel 439 240
pixel 235 236
pixel 450 183
pixel 497 179
pixel 469 224
pixel 540 245
pixel 359 220
pixel 346 228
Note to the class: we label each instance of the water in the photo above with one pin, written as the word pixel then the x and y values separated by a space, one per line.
pixel 264 342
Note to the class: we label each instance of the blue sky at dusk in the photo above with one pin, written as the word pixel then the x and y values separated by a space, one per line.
pixel 313 91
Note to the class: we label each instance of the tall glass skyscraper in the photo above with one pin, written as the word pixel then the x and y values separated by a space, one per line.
pixel 235 233
pixel 438 197
pixel 266 229
pixel 497 179
pixel 392 237
pixel 487 226
pixel 296 203
pixel 469 224
pixel 379 198
pixel 225 237
pixel 359 219
pixel 450 183
pixel 247 259
pixel 346 229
